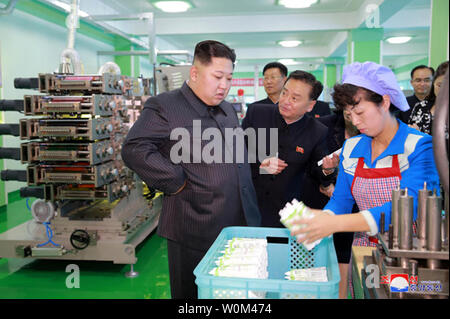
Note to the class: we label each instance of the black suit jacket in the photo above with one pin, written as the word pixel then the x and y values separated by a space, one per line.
pixel 267 100
pixel 320 109
pixel 301 145
pixel 404 115
pixel 217 195
pixel 335 139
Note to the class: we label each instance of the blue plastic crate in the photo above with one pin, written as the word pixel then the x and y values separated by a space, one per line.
pixel 282 257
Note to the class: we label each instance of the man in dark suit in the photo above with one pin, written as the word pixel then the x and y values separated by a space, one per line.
pixel 421 79
pixel 301 144
pixel 275 74
pixel 201 197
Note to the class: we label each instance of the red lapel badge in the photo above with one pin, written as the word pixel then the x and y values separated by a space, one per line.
pixel 299 149
pixel 317 116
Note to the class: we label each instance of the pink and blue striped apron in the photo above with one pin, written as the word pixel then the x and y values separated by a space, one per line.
pixel 372 187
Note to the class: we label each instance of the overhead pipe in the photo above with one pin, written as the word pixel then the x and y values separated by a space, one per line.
pixel 70 57
pixel 109 67
pixel 142 52
pixel 9 8
pixel 72 23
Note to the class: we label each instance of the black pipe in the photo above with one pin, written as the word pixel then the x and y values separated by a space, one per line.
pixel 391 236
pixel 382 220
pixel 14 175
pixel 26 83
pixel 11 105
pixel 10 153
pixel 10 129
pixel 37 192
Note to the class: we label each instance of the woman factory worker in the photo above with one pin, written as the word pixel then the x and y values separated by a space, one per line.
pixel 388 154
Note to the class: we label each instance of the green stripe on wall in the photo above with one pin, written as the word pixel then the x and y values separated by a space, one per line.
pixel 241 75
pixel 408 67
pixel 14 196
pixel 439 32
pixel 318 74
pixel 2 183
pixel 364 45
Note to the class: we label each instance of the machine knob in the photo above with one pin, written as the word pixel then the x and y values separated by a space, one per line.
pixel 99 128
pixel 115 172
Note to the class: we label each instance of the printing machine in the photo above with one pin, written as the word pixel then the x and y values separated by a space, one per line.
pixel 90 206
pixel 415 253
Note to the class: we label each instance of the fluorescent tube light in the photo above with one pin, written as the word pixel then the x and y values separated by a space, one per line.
pixel 290 43
pixel 398 40
pixel 297 4
pixel 172 6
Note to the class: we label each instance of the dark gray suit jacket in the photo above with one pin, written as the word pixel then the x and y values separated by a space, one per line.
pixel 217 195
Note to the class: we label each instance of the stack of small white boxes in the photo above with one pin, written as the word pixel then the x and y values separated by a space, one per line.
pixel 247 258
pixel 243 258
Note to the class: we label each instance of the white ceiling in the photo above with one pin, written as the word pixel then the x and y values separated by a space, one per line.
pixel 253 27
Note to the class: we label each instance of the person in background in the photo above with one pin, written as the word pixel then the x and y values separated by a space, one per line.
pixel 421 78
pixel 200 197
pixel 301 140
pixel 387 155
pixel 320 109
pixel 340 128
pixel 275 74
pixel 422 113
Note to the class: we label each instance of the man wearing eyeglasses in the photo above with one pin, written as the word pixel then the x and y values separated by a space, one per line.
pixel 275 74
pixel 421 79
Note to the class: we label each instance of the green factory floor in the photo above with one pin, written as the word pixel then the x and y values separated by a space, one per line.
pixel 33 278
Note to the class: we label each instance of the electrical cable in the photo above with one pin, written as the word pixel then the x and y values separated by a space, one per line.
pixel 49 235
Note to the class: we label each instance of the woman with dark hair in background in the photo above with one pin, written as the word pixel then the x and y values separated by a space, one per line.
pixel 422 114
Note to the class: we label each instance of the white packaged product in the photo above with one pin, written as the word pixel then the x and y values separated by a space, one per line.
pixel 242 258
pixel 246 271
pixel 249 251
pixel 318 274
pixel 238 260
pixel 238 242
pixel 294 211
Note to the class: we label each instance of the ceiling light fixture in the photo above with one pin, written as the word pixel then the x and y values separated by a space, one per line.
pixel 172 6
pixel 290 43
pixel 398 40
pixel 288 61
pixel 297 4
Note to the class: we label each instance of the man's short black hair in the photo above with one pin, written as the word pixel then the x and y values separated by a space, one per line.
pixel 422 67
pixel 283 69
pixel 310 79
pixel 208 49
